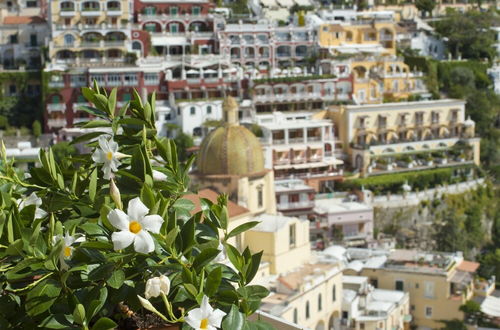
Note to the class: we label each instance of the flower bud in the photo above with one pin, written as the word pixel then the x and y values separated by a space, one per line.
pixel 115 194
pixel 146 304
pixel 157 285
pixel 159 176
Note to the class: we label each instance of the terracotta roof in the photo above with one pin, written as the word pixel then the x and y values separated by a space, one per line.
pixel 294 279
pixel 468 266
pixel 336 28
pixel 233 208
pixel 15 20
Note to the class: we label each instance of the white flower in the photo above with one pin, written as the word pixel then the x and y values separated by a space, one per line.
pixel 32 199
pixel 157 285
pixel 108 154
pixel 205 317
pixel 67 249
pixel 135 227
pixel 159 176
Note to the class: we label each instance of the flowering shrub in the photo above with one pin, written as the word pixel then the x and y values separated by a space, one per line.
pixel 103 236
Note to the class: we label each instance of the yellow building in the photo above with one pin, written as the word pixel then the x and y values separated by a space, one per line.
pixel 367 36
pixel 438 283
pixel 384 77
pixel 90 32
pixel 406 135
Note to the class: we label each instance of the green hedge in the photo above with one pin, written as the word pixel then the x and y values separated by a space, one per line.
pixel 393 183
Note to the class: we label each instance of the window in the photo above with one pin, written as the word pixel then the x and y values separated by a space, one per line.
pixel 69 40
pixel 130 79
pixel 196 11
pixel 99 78
pixel 151 78
pixel 334 293
pixel 399 285
pixel 150 10
pixel 31 4
pixel 56 99
pixel 126 97
pixel 412 308
pixel 429 289
pixel 114 80
pixel 454 116
pixel 209 109
pixel 419 118
pixel 435 117
pixel 292 232
pixel 174 11
pixel 428 312
pixel 12 90
pixel 174 28
pixel 307 310
pixel 260 197
pixel 33 40
pixel 295 315
pixel 78 80
pixel 320 302
pixel 192 111
pixel 13 39
pixel 374 282
pixel 382 122
pixel 362 325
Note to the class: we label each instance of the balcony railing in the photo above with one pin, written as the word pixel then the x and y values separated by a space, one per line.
pixel 56 122
pixel 295 205
pixel 56 84
pixel 52 107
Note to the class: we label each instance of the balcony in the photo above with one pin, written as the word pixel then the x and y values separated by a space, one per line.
pixel 295 205
pixel 284 161
pixel 90 12
pixel 67 12
pixel 56 84
pixel 296 140
pixel 114 43
pixel 59 122
pixel 54 107
pixel 114 12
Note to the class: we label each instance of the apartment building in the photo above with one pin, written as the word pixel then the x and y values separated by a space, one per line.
pixel 406 135
pixel 368 308
pixel 342 221
pixel 438 283
pixel 264 47
pixel 23 33
pixel 176 27
pixel 365 34
pixel 407 10
pixel 294 198
pixel 298 146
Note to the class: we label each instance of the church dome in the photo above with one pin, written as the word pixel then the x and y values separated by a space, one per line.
pixel 230 149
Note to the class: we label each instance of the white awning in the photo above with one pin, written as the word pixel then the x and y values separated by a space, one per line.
pixel 268 3
pixel 193 71
pixel 209 71
pixel 491 306
pixel 310 165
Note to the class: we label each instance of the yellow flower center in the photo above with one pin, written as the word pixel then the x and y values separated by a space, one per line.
pixel 204 324
pixel 134 227
pixel 109 155
pixel 67 251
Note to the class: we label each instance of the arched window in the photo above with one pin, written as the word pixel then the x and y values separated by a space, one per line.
pixel 320 302
pixel 193 110
pixel 136 45
pixel 209 109
pixel 308 314
pixel 69 39
pixel 295 316
pixel 334 293
pixel 260 197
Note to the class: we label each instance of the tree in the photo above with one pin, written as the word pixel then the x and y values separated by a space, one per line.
pixel 426 6
pixel 449 235
pixel 36 128
pixel 469 34
pixel 462 82
pixel 453 325
pixel 63 150
pixel 183 142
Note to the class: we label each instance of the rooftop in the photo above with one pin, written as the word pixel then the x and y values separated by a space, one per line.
pixel 290 185
pixel 271 223
pixel 400 105
pixel 308 273
pixel 323 206
pixel 15 20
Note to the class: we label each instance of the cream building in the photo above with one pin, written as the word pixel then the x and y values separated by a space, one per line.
pixel 438 283
pixel 406 135
pixel 91 32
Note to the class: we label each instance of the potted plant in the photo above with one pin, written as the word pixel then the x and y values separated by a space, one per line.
pixel 105 239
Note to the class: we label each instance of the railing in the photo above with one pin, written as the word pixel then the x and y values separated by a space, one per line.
pixel 295 205
pixel 296 140
pixel 51 107
pixel 56 122
pixel 56 84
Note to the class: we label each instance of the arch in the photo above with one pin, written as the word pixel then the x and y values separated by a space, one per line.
pixel 249 39
pixel 91 37
pixel 360 72
pixel 263 51
pixel 198 26
pixel 301 51
pixel 175 27
pixel 113 5
pixel 320 325
pixel 392 136
pixel 235 52
pixel 295 316
pixel 410 134
pixel 280 89
pixel 348 36
pixel 425 146
pixel 69 40
pixel 426 133
pixel 283 51
pixel 333 321
pixel 263 38
pixel 249 52
pixel 65 54
pixel 234 39
pixel 67 6
pixel 151 26
pixel 264 64
pixel 137 45
pixel 388 151
pixel 115 36
pixel 114 53
pixel 90 54
pixel 91 5
pixel 409 148
pixel 442 145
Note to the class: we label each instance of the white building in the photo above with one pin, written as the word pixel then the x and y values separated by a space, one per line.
pixel 298 146
pixel 494 73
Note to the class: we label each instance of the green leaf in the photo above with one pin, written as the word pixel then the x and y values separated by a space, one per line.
pixel 234 320
pixel 213 281
pixel 242 228
pixel 104 324
pixel 234 256
pixel 42 296
pixel 112 102
pixel 15 249
pixel 254 266
pixel 79 314
pixel 147 196
pixel 138 164
pixel 116 280
pixel 93 185
pixel 86 137
pixel 224 217
pixel 187 235
pixel 95 123
pixel 103 272
pixel 257 325
pixel 93 111
pixel 163 147
pixel 191 289
pixel 205 257
pixel 171 236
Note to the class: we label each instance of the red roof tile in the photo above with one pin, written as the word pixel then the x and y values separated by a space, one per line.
pixel 468 266
pixel 15 20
